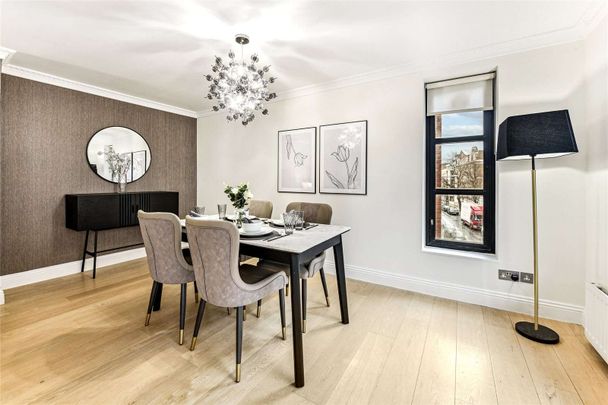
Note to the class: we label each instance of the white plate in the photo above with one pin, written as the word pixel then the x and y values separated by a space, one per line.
pixel 264 231
pixel 277 222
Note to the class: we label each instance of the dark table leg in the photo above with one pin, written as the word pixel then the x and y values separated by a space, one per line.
pixel 341 279
pixel 296 321
pixel 157 297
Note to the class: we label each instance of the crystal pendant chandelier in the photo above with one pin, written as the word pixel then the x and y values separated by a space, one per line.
pixel 239 87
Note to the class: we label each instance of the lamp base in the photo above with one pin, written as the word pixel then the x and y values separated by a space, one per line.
pixel 540 335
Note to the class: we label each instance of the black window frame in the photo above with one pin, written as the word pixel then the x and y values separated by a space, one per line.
pixel 489 183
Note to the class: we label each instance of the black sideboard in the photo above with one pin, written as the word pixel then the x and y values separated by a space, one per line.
pixel 101 211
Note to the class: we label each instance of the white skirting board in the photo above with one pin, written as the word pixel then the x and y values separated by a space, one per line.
pixel 458 292
pixel 65 269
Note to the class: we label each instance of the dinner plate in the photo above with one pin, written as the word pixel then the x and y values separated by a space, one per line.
pixel 264 231
pixel 277 222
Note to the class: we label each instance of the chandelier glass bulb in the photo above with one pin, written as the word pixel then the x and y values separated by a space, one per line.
pixel 240 87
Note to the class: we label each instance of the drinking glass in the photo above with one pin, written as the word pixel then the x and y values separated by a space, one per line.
pixel 299 220
pixel 289 221
pixel 221 211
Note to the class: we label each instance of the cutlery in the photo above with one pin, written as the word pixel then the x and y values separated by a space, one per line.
pixel 275 237
pixel 311 226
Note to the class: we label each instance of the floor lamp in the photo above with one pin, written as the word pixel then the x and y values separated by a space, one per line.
pixel 534 136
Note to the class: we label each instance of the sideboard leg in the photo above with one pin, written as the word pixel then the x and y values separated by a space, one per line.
pixel 84 251
pixel 95 254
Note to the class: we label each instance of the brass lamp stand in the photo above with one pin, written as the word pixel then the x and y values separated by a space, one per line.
pixel 534 331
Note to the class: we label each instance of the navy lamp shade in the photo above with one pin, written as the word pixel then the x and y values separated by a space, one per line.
pixel 542 135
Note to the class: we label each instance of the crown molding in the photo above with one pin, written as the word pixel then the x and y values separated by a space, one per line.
pixel 47 78
pixel 5 54
pixel 594 15
pixel 591 18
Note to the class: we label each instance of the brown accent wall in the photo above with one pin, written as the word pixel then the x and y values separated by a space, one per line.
pixel 45 130
pixel 1 175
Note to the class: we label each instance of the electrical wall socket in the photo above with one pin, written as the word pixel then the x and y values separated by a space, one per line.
pixel 527 278
pixel 508 275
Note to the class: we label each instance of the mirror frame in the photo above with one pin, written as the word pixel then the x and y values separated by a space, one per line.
pixel 86 153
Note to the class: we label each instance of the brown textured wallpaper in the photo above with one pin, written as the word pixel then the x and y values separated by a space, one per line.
pixel 45 130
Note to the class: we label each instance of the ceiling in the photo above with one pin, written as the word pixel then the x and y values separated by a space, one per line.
pixel 160 50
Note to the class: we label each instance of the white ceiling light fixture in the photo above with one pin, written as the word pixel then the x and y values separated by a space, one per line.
pixel 239 87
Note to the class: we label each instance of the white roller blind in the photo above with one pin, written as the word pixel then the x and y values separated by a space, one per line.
pixel 472 93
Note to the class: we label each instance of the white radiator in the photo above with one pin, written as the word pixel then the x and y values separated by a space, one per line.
pixel 596 318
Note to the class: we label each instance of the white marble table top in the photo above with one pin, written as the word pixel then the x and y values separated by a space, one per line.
pixel 298 242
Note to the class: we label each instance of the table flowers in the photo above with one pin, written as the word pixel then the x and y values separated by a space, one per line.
pixel 239 197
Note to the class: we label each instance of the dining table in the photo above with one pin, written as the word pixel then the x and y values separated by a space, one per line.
pixel 295 250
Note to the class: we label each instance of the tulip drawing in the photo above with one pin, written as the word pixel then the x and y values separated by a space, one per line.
pixel 343 155
pixel 298 157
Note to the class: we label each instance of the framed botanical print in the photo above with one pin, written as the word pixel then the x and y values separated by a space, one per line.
pixel 297 163
pixel 343 158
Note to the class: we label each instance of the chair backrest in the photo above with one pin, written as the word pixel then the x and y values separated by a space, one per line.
pixel 313 212
pixel 261 209
pixel 214 246
pixel 162 234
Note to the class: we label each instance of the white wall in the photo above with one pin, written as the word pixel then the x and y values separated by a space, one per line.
pixel 596 84
pixel 386 237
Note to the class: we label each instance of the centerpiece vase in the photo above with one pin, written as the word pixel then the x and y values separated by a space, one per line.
pixel 239 214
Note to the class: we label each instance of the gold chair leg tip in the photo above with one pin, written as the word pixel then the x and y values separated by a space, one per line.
pixel 193 344
pixel 147 320
pixel 284 331
pixel 327 300
pixel 238 373
pixel 181 336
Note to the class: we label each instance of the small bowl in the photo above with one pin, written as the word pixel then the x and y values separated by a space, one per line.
pixel 254 226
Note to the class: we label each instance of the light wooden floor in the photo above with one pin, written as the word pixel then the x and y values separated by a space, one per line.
pixel 78 340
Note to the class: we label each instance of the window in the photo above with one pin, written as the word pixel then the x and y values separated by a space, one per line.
pixel 460 164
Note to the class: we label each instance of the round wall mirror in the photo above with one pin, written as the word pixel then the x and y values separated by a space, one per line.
pixel 118 152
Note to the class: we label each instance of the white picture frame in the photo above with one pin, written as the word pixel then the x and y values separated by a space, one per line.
pixel 297 163
pixel 343 158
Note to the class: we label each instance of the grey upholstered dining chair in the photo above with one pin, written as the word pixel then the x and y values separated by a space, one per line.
pixel 223 281
pixel 260 209
pixel 167 262
pixel 319 214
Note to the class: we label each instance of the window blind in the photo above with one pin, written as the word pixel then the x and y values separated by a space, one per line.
pixel 473 93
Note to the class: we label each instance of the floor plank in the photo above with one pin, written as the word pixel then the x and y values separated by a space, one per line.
pixel 404 359
pixel 474 374
pixel 437 375
pixel 511 375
